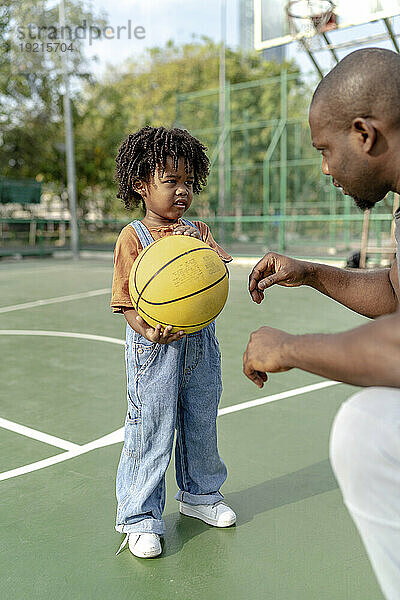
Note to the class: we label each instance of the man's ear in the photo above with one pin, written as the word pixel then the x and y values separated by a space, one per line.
pixel 365 132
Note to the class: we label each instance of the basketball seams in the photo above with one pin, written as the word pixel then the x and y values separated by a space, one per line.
pixel 186 326
pixel 187 296
pixel 139 260
pixel 140 297
pixel 178 326
pixel 141 255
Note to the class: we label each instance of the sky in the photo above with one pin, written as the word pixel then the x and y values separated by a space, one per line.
pixel 180 20
pixel 162 20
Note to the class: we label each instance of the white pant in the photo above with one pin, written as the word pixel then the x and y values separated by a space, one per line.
pixel 365 456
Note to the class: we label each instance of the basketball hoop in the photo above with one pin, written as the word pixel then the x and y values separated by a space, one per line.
pixel 310 17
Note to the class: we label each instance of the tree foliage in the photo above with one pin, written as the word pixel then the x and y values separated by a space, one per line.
pixel 148 90
pixel 142 91
pixel 31 85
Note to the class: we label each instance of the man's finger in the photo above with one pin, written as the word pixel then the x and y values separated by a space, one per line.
pixel 260 378
pixel 262 269
pixel 272 279
pixel 254 277
pixel 257 296
pixel 256 377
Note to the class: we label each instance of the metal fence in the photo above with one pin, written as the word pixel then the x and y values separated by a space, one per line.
pixel 276 197
pixel 304 235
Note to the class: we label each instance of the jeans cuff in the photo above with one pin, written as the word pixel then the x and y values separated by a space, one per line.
pixel 143 526
pixel 195 499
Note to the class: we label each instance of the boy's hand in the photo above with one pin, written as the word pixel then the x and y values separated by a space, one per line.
pixel 157 335
pixel 187 230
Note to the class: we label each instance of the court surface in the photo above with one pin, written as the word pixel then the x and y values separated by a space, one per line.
pixel 62 409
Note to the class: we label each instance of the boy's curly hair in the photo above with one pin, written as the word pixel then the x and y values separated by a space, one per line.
pixel 142 152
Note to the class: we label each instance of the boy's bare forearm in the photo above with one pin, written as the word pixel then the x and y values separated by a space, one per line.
pixel 130 315
pixel 157 335
pixel 369 293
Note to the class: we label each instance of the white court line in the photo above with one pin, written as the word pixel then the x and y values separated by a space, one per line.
pixel 46 301
pixel 5 270
pixel 275 397
pixel 72 449
pixel 67 334
pixel 118 435
pixel 106 440
pixel 38 435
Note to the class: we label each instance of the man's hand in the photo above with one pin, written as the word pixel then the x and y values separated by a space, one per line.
pixel 266 352
pixel 277 269
pixel 158 335
pixel 187 230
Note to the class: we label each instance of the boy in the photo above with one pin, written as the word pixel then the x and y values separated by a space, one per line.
pixel 173 380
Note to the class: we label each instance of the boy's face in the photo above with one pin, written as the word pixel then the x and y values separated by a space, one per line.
pixel 168 194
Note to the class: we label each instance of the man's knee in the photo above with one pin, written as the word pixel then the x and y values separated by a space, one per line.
pixel 347 436
pixel 364 441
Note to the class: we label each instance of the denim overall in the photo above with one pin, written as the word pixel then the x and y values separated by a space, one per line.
pixel 169 386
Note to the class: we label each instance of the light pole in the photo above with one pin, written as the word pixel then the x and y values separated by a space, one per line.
pixel 69 146
pixel 221 155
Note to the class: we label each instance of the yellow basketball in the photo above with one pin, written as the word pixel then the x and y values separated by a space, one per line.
pixel 179 280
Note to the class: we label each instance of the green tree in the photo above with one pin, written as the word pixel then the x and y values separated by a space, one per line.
pixel 146 91
pixel 143 91
pixel 31 85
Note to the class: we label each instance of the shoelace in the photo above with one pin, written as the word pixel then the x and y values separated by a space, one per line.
pixel 122 546
pixel 124 543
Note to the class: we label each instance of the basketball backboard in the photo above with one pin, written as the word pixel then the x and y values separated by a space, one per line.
pixel 271 25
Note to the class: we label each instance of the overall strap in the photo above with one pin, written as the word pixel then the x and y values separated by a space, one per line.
pixel 397 237
pixel 143 233
pixel 189 223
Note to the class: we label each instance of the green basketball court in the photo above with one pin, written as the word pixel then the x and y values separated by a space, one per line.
pixel 63 387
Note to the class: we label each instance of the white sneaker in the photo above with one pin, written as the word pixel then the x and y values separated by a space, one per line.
pixel 143 545
pixel 218 514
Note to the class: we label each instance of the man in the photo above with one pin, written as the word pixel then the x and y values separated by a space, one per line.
pixel 355 124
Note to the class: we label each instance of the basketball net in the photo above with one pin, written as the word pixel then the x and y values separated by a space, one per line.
pixel 311 18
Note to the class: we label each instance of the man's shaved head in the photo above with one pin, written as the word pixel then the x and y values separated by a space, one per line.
pixel 366 83
pixel 355 124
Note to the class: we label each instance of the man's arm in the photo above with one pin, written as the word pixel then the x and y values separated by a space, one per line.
pixel 369 293
pixel 367 356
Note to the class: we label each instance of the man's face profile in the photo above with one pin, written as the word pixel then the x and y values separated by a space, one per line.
pixel 343 160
